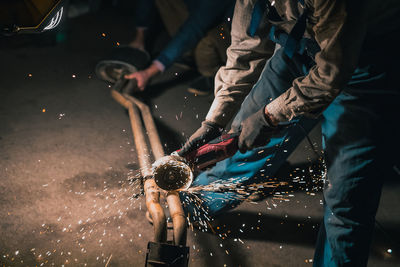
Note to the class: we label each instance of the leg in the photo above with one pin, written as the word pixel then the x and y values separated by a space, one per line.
pixel 210 52
pixel 209 56
pixel 202 16
pixel 144 13
pixel 276 77
pixel 357 132
pixel 173 13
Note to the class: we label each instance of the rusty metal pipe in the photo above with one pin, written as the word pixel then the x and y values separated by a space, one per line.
pixel 137 129
pixel 154 138
pixel 178 218
pixel 151 190
pixel 173 200
pixel 153 205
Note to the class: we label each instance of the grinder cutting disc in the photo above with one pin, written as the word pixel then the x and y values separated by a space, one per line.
pixel 121 60
pixel 172 173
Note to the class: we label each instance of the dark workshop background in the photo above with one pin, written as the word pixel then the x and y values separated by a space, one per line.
pixel 67 154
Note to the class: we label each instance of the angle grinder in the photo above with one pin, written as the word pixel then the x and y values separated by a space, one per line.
pixel 176 173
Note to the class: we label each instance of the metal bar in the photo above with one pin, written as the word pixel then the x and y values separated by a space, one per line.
pixel 151 190
pixel 154 138
pixel 173 200
pixel 153 205
pixel 137 129
pixel 178 218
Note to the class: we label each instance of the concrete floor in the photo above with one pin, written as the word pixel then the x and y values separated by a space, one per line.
pixel 66 154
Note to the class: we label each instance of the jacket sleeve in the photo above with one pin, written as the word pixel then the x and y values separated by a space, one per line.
pixel 339 30
pixel 246 57
pixel 201 19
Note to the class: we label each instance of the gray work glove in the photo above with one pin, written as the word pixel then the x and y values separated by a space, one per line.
pixel 256 131
pixel 207 132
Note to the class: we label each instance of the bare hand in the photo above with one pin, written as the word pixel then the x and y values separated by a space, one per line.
pixel 142 78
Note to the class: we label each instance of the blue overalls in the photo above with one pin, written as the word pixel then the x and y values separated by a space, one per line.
pixel 357 131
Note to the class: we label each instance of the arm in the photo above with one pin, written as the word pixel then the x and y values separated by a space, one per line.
pixel 246 58
pixel 340 31
pixel 204 15
pixel 143 77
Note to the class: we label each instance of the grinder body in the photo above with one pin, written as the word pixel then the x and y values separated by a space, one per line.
pixel 220 148
pixel 176 173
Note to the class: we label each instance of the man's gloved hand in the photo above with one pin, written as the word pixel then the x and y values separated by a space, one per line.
pixel 256 131
pixel 207 132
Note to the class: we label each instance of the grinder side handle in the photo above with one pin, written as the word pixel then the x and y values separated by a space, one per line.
pixel 220 148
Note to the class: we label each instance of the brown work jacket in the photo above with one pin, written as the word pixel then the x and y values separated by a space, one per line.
pixel 340 27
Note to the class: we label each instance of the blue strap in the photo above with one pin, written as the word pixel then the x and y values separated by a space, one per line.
pixel 277 36
pixel 304 45
pixel 296 34
pixel 256 16
pixel 292 41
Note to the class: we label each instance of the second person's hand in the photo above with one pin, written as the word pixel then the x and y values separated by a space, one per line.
pixel 143 77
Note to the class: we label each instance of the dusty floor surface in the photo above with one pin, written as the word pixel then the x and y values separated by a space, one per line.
pixel 66 154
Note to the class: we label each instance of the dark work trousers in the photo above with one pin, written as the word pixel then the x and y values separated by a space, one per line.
pixel 360 137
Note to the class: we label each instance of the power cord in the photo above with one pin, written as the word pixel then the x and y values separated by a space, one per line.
pixel 314 149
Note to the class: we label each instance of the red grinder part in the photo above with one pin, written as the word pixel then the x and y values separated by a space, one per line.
pixel 220 148
pixel 175 173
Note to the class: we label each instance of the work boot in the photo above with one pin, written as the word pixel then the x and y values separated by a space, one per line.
pixel 202 86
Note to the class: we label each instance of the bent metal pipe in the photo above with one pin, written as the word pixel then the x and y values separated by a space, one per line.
pixel 152 192
pixel 174 203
